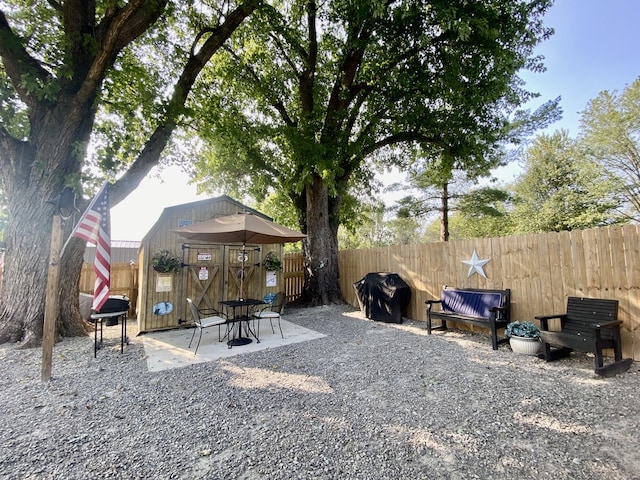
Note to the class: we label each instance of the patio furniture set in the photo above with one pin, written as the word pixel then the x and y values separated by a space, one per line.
pixel 245 315
pixel 589 325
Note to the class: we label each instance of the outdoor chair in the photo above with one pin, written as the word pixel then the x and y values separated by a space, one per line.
pixel 212 318
pixel 272 311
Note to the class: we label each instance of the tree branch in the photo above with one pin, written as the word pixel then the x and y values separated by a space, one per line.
pixel 399 137
pixel 18 63
pixel 276 103
pixel 153 148
pixel 120 29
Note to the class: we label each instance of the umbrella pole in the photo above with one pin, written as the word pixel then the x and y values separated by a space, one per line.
pixel 242 273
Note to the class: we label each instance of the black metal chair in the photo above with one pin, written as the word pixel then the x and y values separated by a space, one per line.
pixel 213 318
pixel 273 311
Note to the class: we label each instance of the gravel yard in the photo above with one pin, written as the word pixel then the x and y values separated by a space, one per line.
pixel 368 401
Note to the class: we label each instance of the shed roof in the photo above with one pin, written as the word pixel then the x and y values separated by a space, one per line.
pixel 200 203
pixel 122 251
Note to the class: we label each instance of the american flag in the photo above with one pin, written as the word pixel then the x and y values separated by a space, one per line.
pixel 95 227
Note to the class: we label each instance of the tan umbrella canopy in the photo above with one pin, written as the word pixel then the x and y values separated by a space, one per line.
pixel 240 228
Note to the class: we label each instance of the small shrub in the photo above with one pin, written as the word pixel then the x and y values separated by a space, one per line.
pixel 522 329
pixel 164 262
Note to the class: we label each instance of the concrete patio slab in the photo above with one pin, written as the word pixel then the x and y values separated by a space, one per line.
pixel 169 349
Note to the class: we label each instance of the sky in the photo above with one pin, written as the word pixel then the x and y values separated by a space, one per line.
pixel 596 47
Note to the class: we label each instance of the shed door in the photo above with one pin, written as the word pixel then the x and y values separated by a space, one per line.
pixel 203 276
pixel 233 271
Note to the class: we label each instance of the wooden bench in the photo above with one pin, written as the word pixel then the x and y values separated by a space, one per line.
pixel 473 306
pixel 589 325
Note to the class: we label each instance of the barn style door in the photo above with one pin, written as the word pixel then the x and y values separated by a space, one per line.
pixel 202 276
pixel 233 271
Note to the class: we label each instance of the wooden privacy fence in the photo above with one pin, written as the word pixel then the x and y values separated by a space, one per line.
pixel 293 273
pixel 124 281
pixel 541 270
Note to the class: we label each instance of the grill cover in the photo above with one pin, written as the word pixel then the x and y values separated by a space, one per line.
pixel 383 296
pixel 115 303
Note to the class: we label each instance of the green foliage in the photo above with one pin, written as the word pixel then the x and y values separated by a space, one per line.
pixel 482 212
pixel 368 228
pixel 271 262
pixel 562 189
pixel 611 132
pixel 462 227
pixel 286 104
pixel 522 329
pixel 164 261
pixel 484 202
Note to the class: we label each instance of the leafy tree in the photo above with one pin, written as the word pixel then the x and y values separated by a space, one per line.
pixel 433 182
pixel 562 189
pixel 370 230
pixel 611 128
pixel 64 64
pixel 443 182
pixel 482 212
pixel 312 95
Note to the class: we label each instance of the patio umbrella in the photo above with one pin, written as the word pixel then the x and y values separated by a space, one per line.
pixel 240 228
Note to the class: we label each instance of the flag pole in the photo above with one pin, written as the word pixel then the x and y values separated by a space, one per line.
pixel 53 274
pixel 93 201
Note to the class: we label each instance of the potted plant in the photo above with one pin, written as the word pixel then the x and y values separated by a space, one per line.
pixel 164 262
pixel 271 262
pixel 524 337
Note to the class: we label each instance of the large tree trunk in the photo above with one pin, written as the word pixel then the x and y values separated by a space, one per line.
pixel 322 282
pixel 70 322
pixel 25 274
pixel 35 171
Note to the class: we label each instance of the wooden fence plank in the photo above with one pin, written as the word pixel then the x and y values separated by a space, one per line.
pixel 578 263
pixel 632 268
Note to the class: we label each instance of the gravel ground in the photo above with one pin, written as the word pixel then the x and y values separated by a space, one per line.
pixel 369 401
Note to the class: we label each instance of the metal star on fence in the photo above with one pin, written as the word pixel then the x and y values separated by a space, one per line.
pixel 475 265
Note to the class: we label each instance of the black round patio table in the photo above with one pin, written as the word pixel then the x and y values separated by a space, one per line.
pixel 240 313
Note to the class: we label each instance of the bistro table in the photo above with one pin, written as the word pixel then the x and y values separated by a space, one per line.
pixel 240 313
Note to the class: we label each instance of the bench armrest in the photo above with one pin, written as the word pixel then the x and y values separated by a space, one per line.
pixel 544 320
pixel 430 303
pixel 549 317
pixel 613 323
pixel 496 310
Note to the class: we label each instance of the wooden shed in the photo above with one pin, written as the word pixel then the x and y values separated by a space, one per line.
pixel 210 273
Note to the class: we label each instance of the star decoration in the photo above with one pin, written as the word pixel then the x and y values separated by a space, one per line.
pixel 475 265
